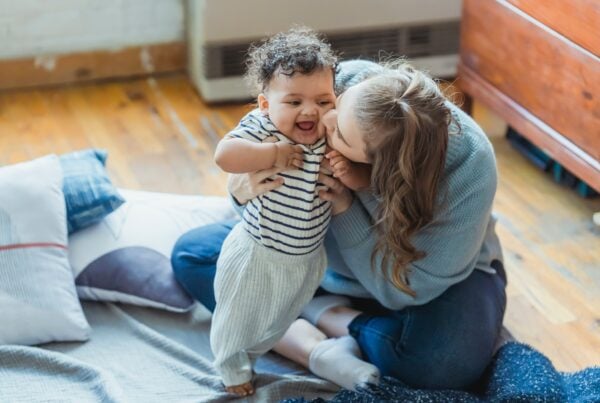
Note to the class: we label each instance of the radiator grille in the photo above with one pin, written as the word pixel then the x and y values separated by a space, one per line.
pixel 437 39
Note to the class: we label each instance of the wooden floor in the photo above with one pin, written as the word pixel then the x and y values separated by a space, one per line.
pixel 161 136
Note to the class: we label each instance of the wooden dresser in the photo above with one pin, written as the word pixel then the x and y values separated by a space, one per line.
pixel 536 64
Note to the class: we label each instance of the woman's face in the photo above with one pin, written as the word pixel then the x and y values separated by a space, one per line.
pixel 343 132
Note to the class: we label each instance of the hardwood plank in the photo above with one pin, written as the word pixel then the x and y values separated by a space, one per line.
pixel 555 341
pixel 89 110
pixel 94 65
pixel 552 257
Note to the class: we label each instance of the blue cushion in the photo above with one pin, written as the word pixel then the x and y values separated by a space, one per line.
pixel 89 193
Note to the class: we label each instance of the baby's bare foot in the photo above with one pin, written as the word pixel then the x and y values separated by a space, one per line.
pixel 245 389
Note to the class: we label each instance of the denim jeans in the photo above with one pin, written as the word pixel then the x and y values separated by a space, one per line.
pixel 446 343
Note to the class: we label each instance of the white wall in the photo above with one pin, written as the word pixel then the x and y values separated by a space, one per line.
pixel 40 27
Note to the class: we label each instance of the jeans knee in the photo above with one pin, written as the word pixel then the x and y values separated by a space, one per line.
pixel 378 340
pixel 199 247
pixel 177 263
pixel 180 258
pixel 194 259
pixel 421 364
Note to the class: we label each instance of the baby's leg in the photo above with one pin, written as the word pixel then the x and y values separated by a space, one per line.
pixel 235 369
pixel 235 327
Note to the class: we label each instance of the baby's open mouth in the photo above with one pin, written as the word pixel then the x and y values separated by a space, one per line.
pixel 305 125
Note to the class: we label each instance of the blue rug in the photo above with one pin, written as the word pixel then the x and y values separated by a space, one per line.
pixel 517 373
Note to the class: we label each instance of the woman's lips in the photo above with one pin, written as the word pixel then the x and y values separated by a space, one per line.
pixel 308 126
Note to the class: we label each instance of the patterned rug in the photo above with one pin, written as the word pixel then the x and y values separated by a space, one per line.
pixel 517 373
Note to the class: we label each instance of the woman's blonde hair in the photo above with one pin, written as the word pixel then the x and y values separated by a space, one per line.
pixel 404 118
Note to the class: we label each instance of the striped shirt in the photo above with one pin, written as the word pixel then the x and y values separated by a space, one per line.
pixel 292 218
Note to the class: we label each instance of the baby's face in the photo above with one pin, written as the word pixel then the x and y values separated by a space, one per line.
pixel 296 104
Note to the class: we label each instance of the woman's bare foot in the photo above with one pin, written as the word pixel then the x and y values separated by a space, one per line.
pixel 245 389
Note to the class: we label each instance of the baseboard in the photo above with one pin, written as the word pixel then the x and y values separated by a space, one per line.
pixel 95 65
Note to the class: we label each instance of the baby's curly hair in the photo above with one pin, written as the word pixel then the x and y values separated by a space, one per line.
pixel 299 50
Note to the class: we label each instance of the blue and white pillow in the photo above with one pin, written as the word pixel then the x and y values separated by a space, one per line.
pixel 89 193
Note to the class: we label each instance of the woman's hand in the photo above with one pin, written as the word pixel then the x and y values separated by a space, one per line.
pixel 245 187
pixel 338 194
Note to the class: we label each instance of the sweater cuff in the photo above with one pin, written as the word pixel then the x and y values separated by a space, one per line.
pixel 351 227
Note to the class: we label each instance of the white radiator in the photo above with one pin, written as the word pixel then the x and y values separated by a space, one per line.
pixel 426 32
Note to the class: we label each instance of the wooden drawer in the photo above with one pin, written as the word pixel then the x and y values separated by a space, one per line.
pixel 538 80
pixel 577 20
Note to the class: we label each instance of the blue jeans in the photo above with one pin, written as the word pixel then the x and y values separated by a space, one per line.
pixel 446 343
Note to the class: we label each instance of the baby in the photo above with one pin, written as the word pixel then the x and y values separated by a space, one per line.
pixel 274 259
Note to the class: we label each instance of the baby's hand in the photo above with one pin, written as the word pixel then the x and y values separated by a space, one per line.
pixel 288 155
pixel 340 165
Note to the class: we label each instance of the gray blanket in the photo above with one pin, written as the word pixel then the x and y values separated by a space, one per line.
pixel 140 355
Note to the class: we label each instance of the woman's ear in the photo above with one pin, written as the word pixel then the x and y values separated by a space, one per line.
pixel 263 104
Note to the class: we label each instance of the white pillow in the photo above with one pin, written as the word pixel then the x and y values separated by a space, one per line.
pixel 38 301
pixel 127 256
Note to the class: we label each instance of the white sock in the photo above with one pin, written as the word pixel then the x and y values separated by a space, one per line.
pixel 339 360
pixel 318 305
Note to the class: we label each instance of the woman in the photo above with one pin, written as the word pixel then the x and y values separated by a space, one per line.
pixel 415 253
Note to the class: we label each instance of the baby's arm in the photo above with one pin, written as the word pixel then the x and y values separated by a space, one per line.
pixel 353 175
pixel 236 155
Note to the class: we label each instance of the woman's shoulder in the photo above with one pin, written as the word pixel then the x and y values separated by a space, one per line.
pixel 352 72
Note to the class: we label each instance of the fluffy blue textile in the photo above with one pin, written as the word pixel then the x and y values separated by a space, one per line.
pixel 518 373
pixel 89 192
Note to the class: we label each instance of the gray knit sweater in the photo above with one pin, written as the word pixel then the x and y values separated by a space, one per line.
pixel 461 237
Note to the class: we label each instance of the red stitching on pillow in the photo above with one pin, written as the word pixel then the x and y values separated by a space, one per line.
pixel 33 245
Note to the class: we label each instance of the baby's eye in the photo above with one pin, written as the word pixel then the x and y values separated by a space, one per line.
pixel 325 103
pixel 294 103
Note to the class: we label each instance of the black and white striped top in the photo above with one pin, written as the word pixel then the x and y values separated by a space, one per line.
pixel 292 218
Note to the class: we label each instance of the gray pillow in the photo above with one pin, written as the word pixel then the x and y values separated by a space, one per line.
pixel 137 275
